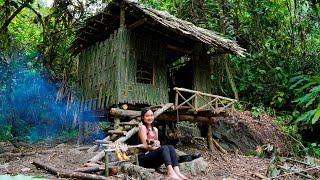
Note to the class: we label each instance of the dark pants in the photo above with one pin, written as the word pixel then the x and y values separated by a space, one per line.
pixel 163 155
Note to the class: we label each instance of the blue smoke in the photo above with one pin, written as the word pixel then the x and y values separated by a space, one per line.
pixel 28 107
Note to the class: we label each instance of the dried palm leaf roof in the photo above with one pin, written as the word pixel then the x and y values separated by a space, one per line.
pixel 100 26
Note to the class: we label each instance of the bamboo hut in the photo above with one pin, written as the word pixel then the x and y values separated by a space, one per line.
pixel 132 54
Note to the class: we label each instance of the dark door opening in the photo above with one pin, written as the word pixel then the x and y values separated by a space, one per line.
pixel 180 73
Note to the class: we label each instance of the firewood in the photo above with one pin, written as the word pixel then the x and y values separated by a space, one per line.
pixel 130 133
pixel 66 173
pixel 131 123
pixel 95 147
pixel 117 132
pixel 102 142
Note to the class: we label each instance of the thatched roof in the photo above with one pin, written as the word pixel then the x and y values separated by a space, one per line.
pixel 100 26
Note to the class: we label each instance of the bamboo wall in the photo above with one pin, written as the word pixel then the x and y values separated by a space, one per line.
pixel 107 72
pixel 137 47
pixel 97 74
pixel 202 81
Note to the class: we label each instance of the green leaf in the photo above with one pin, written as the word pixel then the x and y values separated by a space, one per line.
pixel 316 117
pixel 315 89
pixel 305 117
pixel 297 83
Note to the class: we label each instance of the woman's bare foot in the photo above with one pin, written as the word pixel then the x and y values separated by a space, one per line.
pixel 175 177
pixel 177 171
pixel 182 176
pixel 171 173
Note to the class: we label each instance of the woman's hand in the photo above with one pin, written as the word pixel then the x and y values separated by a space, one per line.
pixel 156 143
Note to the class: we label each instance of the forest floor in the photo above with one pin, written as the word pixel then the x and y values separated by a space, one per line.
pixel 242 131
pixel 67 156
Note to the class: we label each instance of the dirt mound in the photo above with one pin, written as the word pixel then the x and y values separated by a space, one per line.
pixel 243 132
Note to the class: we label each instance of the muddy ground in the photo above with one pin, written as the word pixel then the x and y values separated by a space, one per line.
pixel 67 156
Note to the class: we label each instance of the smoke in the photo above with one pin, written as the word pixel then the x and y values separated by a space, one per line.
pixel 28 107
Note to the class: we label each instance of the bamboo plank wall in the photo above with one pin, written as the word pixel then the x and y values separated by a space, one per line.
pixel 137 47
pixel 107 72
pixel 202 81
pixel 96 74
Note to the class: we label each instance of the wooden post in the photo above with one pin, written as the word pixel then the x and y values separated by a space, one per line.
pixel 209 138
pixel 196 102
pixel 106 163
pixel 177 99
pixel 136 158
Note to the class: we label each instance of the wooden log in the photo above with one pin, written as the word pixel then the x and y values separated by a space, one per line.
pixel 124 106
pixel 124 113
pixel 129 123
pixel 117 132
pixel 102 142
pixel 90 169
pixel 134 114
pixel 190 118
pixel 65 173
pixel 163 117
pixel 163 109
pixel 130 133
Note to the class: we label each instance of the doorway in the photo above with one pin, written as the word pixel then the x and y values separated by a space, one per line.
pixel 180 73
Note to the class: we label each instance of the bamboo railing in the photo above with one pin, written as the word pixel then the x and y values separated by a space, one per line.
pixel 214 103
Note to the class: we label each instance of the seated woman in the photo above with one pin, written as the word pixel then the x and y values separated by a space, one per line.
pixel 154 155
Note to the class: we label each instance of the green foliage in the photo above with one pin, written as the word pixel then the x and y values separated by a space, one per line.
pixel 307 93
pixel 70 134
pixel 313 149
pixel 6 133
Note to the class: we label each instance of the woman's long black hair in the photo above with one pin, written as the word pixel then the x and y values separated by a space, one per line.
pixel 143 112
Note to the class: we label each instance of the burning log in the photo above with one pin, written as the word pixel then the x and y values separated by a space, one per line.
pixel 65 173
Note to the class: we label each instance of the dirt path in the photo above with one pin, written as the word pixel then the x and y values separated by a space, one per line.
pixel 68 157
